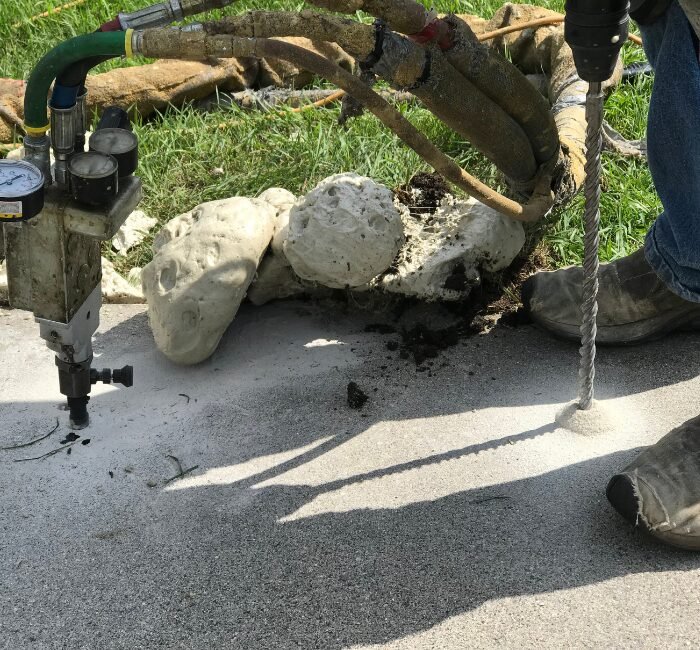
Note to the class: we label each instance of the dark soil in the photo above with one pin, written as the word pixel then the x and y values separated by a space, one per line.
pixel 380 328
pixel 70 437
pixel 431 190
pixel 428 328
pixel 357 398
pixel 501 295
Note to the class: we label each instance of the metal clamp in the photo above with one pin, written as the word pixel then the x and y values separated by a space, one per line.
pixel 72 342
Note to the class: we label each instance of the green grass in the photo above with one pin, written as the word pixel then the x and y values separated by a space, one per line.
pixel 180 148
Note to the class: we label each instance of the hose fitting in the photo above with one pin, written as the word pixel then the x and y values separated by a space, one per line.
pixel 62 140
pixel 80 121
pixel 166 13
pixel 156 15
pixel 60 58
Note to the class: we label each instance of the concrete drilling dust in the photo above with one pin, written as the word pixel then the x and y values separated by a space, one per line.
pixel 601 418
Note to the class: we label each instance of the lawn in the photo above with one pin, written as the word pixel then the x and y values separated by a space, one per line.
pixel 180 149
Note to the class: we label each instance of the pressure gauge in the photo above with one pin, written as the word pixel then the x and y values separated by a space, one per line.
pixel 93 177
pixel 21 190
pixel 121 144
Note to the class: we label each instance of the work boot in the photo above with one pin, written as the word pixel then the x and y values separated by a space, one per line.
pixel 634 305
pixel 660 490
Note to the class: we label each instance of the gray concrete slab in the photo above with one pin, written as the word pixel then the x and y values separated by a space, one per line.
pixel 451 512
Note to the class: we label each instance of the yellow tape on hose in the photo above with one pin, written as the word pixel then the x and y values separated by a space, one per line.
pixel 128 47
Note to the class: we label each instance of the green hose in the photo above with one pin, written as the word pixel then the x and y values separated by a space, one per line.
pixel 52 64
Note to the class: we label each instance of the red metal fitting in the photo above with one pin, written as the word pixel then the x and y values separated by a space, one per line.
pixel 436 31
pixel 111 26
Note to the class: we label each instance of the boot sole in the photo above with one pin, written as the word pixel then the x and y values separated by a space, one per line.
pixel 651 329
pixel 620 494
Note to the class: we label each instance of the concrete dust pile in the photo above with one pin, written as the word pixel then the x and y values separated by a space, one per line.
pixel 133 231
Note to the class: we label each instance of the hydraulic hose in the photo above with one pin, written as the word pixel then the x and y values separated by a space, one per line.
pixel 198 46
pixel 60 58
pixel 448 93
pixel 71 82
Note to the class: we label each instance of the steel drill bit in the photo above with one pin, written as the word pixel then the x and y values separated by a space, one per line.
pixel 589 304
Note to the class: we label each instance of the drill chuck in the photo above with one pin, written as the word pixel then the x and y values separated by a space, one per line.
pixel 596 31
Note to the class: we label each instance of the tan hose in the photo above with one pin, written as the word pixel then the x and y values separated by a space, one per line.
pixel 403 16
pixel 471 111
pixel 539 22
pixel 198 46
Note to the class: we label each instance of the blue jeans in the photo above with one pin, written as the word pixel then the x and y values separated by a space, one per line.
pixel 673 137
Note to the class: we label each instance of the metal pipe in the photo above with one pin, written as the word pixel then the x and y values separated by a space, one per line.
pixel 62 140
pixel 166 13
pixel 158 15
pixel 37 151
pixel 80 119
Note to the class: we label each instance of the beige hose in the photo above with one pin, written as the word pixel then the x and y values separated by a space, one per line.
pixel 473 112
pixel 199 46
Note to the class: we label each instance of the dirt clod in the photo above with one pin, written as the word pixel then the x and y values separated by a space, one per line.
pixel 423 193
pixel 427 329
pixel 380 328
pixel 357 398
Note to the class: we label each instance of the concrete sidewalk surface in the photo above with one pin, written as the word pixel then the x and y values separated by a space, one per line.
pixel 450 512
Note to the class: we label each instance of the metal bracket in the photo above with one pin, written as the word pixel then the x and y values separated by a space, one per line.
pixel 72 342
pixel 103 223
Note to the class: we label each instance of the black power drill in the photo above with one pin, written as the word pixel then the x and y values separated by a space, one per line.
pixel 595 30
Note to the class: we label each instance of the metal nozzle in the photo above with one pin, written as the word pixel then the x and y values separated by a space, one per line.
pixel 166 13
pixel 123 376
pixel 157 15
pixel 37 151
pixel 80 119
pixel 78 413
pixel 62 140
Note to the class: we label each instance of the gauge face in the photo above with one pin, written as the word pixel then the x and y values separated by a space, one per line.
pixel 113 141
pixel 92 164
pixel 19 179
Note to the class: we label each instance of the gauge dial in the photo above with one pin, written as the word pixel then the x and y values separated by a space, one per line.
pixel 21 190
pixel 113 141
pixel 94 178
pixel 121 144
pixel 92 165
pixel 19 178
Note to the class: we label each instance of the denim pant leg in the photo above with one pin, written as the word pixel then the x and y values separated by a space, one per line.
pixel 673 134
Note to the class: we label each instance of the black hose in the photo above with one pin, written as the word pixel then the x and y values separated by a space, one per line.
pixel 637 69
pixel 75 75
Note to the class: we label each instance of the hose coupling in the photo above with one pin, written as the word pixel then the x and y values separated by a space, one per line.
pixel 80 121
pixel 37 151
pixel 62 140
pixel 158 15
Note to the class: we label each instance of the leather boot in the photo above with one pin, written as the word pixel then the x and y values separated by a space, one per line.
pixel 634 305
pixel 660 490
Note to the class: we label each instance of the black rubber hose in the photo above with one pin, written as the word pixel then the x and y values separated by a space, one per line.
pixel 76 74
pixel 637 69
